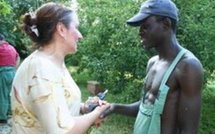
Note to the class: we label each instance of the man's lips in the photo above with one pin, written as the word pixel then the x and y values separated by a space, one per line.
pixel 142 40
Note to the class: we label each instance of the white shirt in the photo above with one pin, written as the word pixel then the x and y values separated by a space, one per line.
pixel 43 99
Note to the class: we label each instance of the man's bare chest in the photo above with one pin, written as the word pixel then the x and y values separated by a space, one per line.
pixel 153 81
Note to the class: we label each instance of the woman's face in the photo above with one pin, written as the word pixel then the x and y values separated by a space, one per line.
pixel 73 35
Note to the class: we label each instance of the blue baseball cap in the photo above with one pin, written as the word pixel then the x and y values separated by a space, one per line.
pixel 154 7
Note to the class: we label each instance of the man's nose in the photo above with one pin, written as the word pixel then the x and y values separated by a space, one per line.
pixel 142 33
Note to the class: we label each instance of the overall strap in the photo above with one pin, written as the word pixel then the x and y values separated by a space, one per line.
pixel 163 89
pixel 172 66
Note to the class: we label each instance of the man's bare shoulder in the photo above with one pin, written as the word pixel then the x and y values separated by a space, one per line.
pixel 190 62
pixel 190 73
pixel 151 61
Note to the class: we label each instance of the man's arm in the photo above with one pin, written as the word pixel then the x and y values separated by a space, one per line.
pixel 128 109
pixel 124 109
pixel 190 81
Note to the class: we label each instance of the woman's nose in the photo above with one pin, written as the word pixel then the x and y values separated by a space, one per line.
pixel 80 36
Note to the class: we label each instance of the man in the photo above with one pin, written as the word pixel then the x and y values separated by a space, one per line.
pixel 9 59
pixel 171 98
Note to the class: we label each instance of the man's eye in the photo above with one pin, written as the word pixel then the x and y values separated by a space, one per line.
pixel 145 26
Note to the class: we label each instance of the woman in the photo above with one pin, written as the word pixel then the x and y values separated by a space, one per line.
pixel 45 99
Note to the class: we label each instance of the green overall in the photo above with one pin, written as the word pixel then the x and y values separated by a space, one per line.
pixel 148 119
pixel 7 74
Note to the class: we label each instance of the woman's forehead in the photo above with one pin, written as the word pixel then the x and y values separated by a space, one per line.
pixel 75 20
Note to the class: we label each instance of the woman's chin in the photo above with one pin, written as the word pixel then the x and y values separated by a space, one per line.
pixel 73 51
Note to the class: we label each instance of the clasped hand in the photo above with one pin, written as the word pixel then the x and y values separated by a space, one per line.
pixel 94 103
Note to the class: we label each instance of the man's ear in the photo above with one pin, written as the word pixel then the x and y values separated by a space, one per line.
pixel 167 24
pixel 61 29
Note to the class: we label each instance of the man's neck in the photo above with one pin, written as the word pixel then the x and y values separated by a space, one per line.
pixel 168 49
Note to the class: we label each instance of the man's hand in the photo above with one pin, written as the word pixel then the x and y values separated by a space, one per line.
pixel 108 111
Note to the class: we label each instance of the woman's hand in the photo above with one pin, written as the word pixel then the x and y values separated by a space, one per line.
pixel 103 106
pixel 89 105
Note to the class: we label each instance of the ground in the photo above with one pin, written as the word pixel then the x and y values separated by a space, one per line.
pixel 6 128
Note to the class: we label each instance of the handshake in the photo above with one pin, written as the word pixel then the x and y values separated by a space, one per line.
pixel 97 103
pixel 93 102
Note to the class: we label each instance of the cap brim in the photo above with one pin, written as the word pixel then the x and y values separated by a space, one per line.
pixel 137 19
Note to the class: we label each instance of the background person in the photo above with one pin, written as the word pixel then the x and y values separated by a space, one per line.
pixel 9 58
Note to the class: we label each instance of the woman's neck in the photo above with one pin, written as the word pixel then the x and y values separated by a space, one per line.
pixel 54 53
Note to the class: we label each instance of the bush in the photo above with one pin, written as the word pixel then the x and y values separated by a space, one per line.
pixel 110 49
pixel 196 30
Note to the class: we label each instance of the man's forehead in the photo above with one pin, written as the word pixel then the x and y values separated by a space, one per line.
pixel 149 19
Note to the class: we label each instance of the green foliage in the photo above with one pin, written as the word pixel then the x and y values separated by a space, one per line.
pixel 110 49
pixel 207 125
pixel 196 29
pixel 10 25
pixel 81 77
pixel 4 8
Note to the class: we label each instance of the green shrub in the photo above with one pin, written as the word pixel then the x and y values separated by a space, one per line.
pixel 196 30
pixel 110 49
pixel 207 125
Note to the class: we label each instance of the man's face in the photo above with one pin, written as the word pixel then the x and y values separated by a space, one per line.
pixel 151 32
